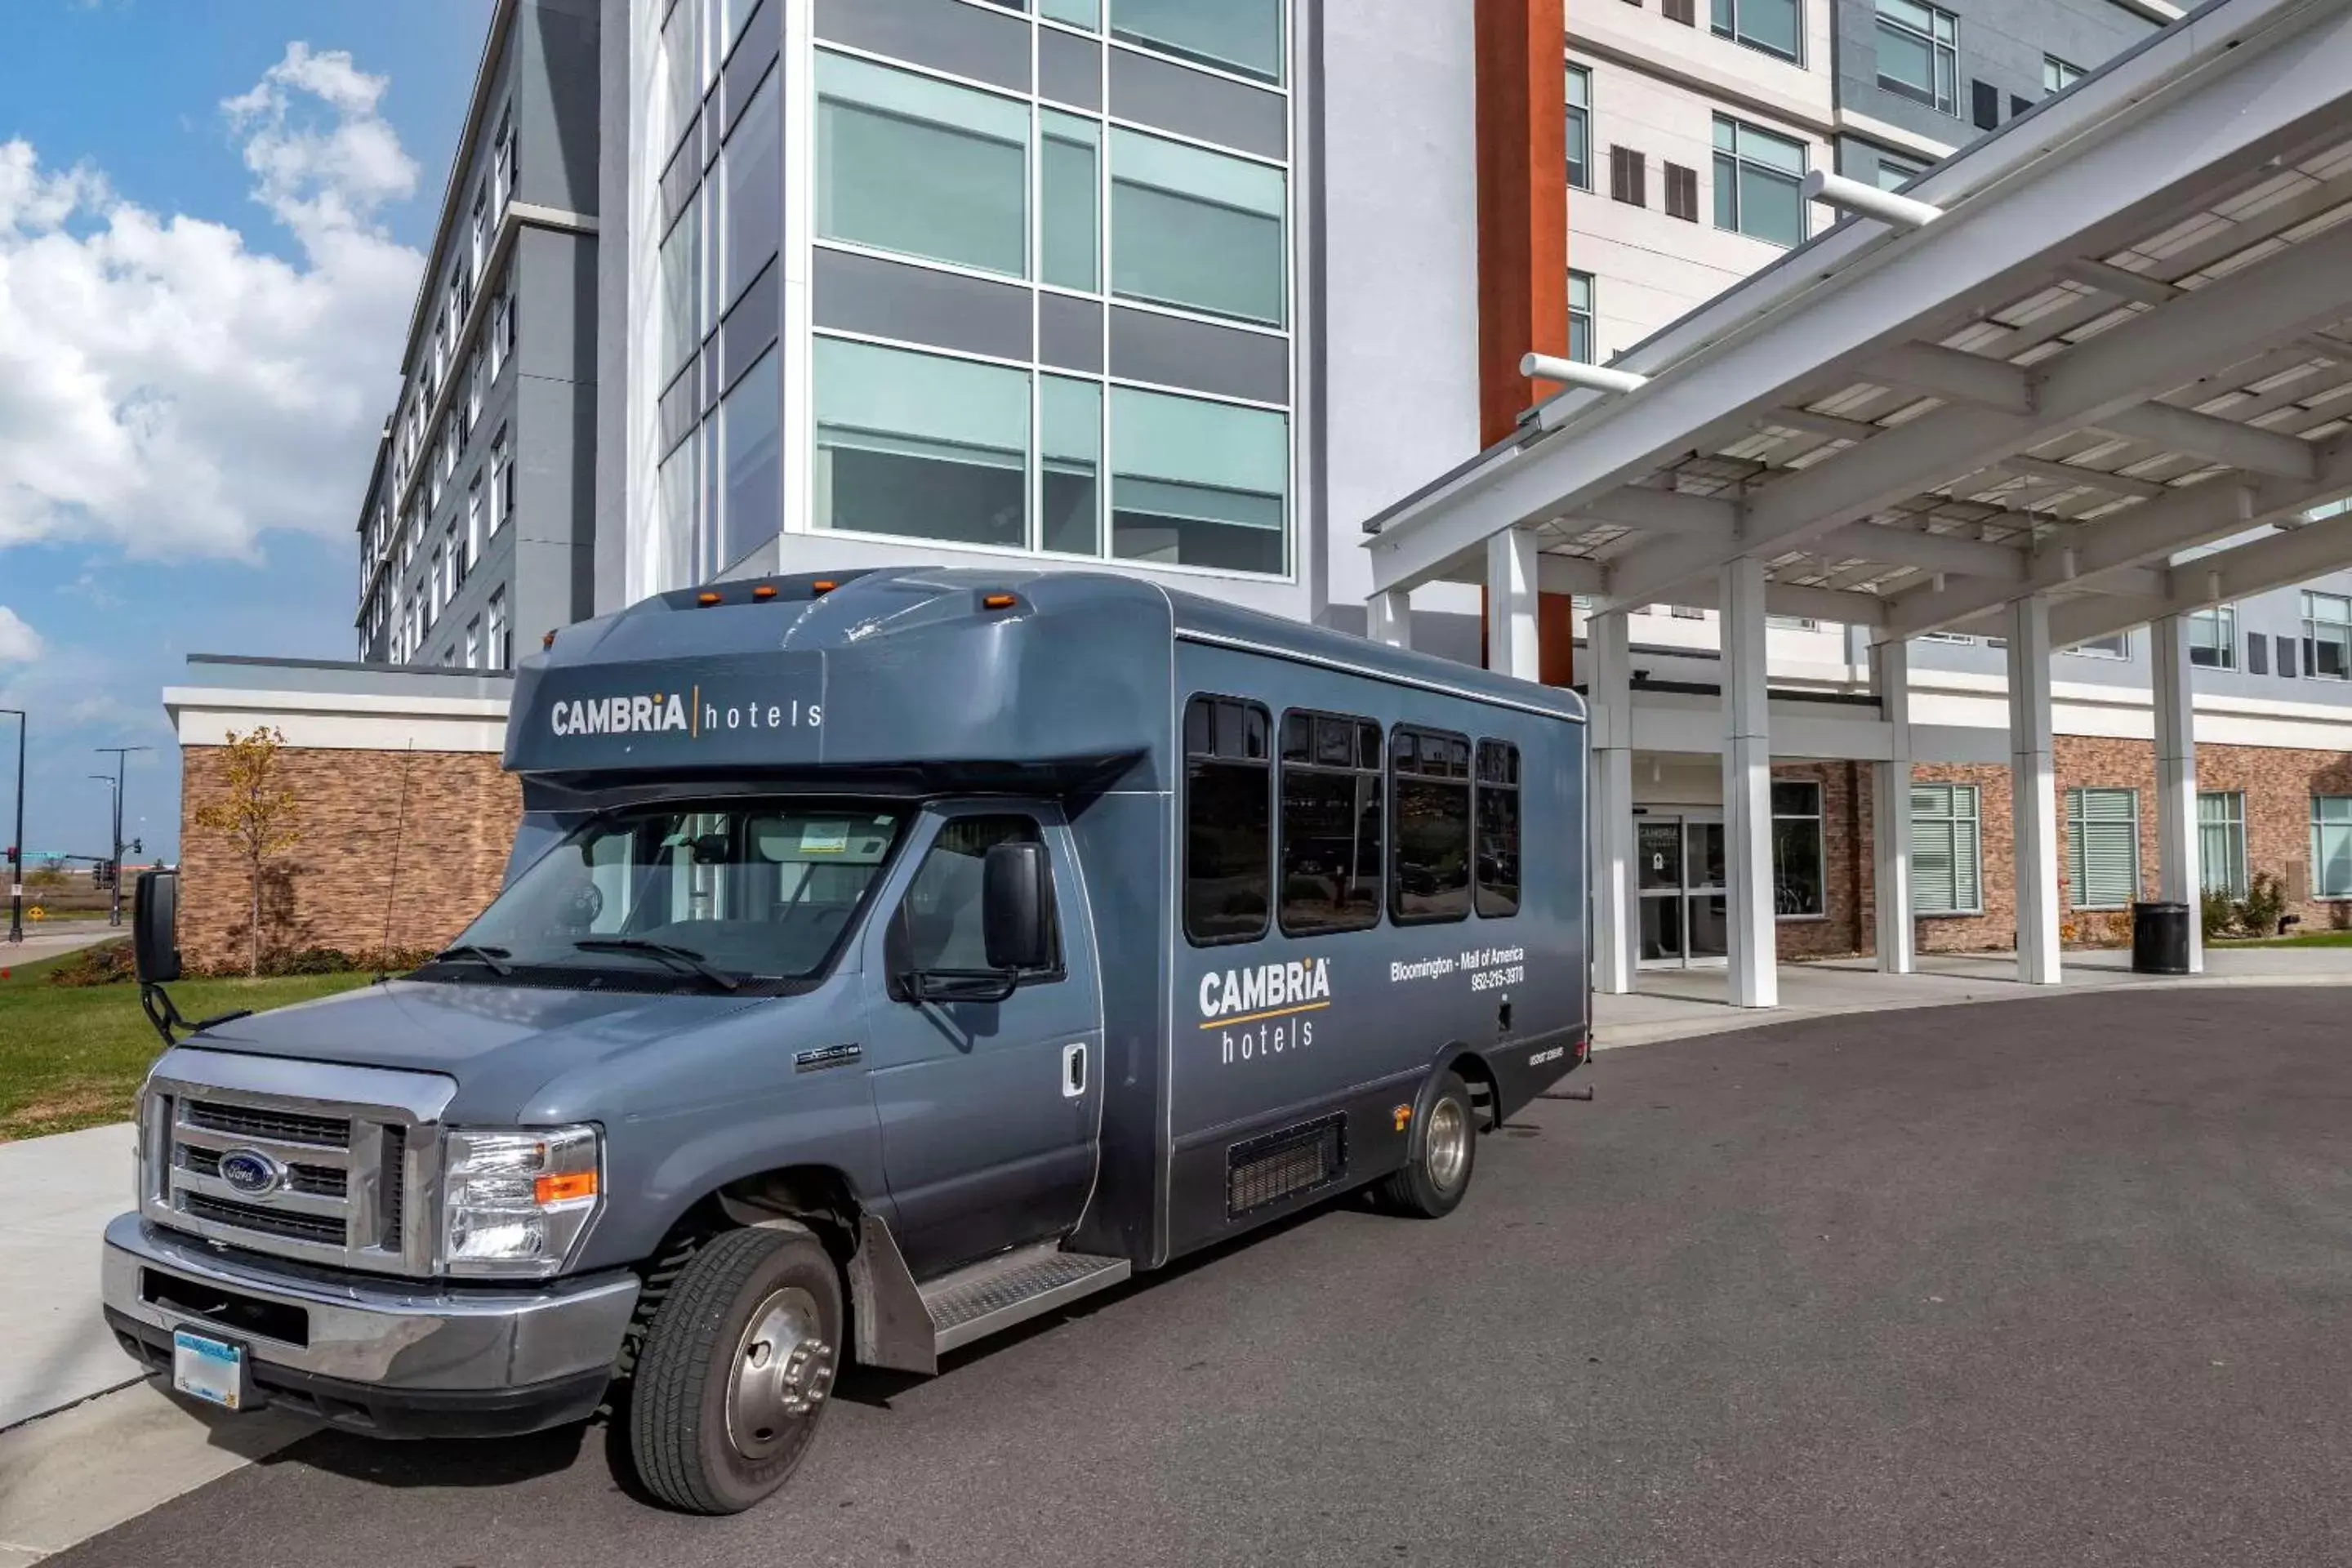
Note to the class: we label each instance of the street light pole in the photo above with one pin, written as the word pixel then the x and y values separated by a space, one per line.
pixel 16 870
pixel 115 869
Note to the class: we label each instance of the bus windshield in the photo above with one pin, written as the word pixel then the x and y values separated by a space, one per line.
pixel 716 893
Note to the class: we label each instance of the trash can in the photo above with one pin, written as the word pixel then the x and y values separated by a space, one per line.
pixel 2160 938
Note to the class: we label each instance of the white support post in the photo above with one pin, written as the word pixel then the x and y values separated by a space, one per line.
pixel 1890 669
pixel 1755 979
pixel 1608 801
pixel 2180 877
pixel 2032 792
pixel 1511 646
pixel 1389 617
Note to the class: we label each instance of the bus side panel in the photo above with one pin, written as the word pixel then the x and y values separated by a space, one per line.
pixel 1276 1034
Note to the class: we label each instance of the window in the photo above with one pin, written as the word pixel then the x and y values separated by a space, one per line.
pixel 2213 637
pixel 752 481
pixel 1430 876
pixel 2116 647
pixel 1330 824
pixel 473 643
pixel 1579 317
pixel 1086 13
pixel 1069 235
pixel 2057 76
pixel 1498 828
pixel 502 482
pixel 453 559
pixel 920 445
pixel 1755 178
pixel 480 251
pixel 922 167
pixel 1629 177
pixel 2102 847
pixel 2331 846
pixel 751 194
pixel 940 920
pixel 477 378
pixel 1893 174
pixel 474 521
pixel 1681 192
pixel 1069 465
pixel 1793 623
pixel 1946 870
pixel 496 615
pixel 2326 637
pixel 1799 857
pixel 1228 820
pixel 432 579
pixel 498 343
pixel 1196 229
pixel 1243 37
pixel 2222 841
pixel 1197 483
pixel 1579 128
pixel 1772 25
pixel 681 267
pixel 1919 53
pixel 681 67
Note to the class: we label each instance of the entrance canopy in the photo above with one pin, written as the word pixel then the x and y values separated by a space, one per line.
pixel 2123 334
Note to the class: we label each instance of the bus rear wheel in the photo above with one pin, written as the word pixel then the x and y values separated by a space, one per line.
pixel 1431 1183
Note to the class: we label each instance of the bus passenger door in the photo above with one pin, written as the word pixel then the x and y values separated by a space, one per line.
pixel 990 1111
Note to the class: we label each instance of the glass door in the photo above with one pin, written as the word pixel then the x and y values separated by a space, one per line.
pixel 1681 880
pixel 1658 852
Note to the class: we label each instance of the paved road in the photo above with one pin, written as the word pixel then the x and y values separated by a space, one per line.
pixel 2062 1281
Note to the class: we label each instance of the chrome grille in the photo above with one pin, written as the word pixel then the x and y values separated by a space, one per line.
pixel 279 1126
pixel 352 1165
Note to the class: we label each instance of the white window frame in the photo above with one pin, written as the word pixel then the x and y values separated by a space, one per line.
pixel 1818 816
pixel 1937 47
pixel 2319 889
pixel 1586 316
pixel 1735 33
pixel 2337 618
pixel 1580 117
pixel 2229 822
pixel 2079 824
pixel 1950 820
pixel 1738 224
pixel 2218 626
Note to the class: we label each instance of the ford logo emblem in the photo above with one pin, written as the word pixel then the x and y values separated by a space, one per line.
pixel 251 1172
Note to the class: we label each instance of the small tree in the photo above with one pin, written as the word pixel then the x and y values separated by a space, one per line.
pixel 258 812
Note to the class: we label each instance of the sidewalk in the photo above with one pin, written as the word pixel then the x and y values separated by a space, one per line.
pixel 55 1196
pixel 1676 1004
pixel 46 938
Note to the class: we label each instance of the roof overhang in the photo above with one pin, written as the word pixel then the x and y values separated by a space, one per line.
pixel 2125 338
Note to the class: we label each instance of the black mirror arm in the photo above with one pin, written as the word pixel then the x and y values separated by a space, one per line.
pixel 156 1003
pixel 961 984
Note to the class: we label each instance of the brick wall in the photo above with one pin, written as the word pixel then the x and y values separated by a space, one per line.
pixel 331 889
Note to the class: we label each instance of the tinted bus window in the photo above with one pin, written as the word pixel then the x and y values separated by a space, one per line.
pixel 1228 820
pixel 1330 824
pixel 1430 874
pixel 1498 828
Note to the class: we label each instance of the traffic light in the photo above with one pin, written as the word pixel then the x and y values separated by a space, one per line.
pixel 12 856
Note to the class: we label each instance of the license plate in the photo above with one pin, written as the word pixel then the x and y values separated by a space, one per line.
pixel 208 1369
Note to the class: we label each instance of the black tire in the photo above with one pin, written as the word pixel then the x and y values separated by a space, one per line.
pixel 1444 1155
pixel 681 1434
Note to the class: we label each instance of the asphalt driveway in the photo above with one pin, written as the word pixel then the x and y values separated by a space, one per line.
pixel 2064 1281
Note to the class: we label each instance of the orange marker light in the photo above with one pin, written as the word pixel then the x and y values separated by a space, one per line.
pixel 564 1188
pixel 822 585
pixel 998 602
pixel 765 591
pixel 705 600
pixel 547 642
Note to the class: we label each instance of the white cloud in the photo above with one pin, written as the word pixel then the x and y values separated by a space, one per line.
pixel 165 388
pixel 18 642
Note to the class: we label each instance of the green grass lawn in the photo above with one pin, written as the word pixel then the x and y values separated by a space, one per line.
pixel 73 1056
pixel 2307 939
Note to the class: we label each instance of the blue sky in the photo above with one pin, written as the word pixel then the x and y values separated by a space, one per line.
pixel 212 217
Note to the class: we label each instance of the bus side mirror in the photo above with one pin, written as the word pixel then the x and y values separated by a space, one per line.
pixel 1013 907
pixel 155 928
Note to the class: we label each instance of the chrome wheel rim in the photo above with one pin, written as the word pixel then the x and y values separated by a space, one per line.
pixel 783 1370
pixel 1448 1151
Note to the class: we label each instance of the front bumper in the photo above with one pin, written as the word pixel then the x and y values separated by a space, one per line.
pixel 393 1357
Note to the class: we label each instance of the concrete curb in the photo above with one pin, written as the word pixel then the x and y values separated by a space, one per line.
pixel 81 1471
pixel 1609 1037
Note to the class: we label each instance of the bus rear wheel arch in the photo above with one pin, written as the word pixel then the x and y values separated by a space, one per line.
pixel 1442 1154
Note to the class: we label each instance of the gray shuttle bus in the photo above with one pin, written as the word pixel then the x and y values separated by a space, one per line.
pixel 883 960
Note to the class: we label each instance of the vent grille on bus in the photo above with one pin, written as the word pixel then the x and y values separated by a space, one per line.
pixel 1282 1164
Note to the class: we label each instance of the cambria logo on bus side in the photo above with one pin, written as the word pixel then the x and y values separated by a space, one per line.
pixel 1260 1011
pixel 675 713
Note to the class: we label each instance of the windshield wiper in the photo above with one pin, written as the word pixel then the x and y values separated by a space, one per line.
pixel 682 957
pixel 490 958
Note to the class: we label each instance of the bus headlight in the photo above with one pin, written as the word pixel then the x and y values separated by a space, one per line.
pixel 516 1202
